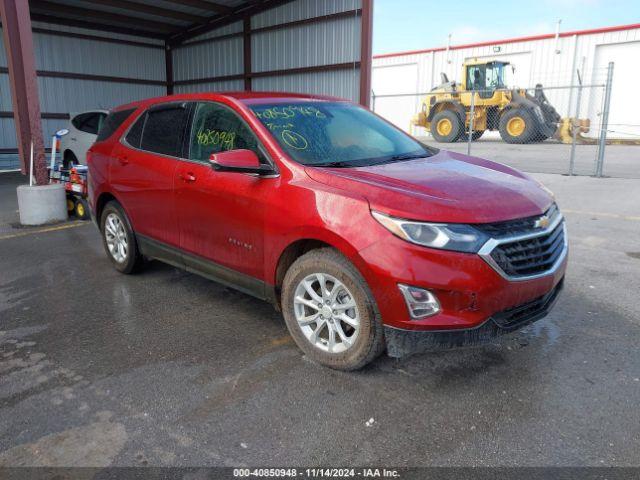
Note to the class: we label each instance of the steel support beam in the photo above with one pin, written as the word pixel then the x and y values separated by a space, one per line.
pixel 247 56
pixel 18 41
pixel 366 52
pixel 168 64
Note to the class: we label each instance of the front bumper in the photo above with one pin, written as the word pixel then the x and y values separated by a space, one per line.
pixel 469 290
pixel 402 342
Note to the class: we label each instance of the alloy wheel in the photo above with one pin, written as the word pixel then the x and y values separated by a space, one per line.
pixel 326 313
pixel 116 238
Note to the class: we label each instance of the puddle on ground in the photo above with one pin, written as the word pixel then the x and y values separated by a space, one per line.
pixel 547 329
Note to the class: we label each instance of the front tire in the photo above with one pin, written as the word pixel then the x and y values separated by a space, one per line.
pixel 119 240
pixel 446 126
pixel 330 311
pixel 517 126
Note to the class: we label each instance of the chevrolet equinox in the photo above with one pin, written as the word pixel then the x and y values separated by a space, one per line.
pixel 365 238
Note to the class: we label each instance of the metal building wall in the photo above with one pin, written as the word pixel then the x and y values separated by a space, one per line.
pixel 56 53
pixel 331 42
pixel 217 58
pixel 543 65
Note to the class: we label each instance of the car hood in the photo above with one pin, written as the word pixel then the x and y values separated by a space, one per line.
pixel 445 187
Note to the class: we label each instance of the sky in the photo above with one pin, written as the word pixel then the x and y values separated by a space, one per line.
pixel 401 25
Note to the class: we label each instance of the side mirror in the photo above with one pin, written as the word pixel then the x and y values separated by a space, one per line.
pixel 240 161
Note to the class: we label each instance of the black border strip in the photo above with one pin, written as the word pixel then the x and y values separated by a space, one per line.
pixel 95 78
pixel 273 73
pixel 43 115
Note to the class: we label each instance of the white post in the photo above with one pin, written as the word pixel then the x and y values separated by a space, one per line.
pixel 54 144
pixel 31 166
pixel 558 36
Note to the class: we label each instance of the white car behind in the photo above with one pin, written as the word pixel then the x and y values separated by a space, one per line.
pixel 82 132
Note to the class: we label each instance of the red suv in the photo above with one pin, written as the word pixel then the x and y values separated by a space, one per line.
pixel 365 238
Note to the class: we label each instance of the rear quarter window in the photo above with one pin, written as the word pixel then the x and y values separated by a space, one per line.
pixel 112 123
pixel 134 137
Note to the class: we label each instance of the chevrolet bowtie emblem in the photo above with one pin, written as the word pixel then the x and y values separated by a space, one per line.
pixel 542 222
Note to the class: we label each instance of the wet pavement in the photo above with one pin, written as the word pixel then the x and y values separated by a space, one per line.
pixel 166 368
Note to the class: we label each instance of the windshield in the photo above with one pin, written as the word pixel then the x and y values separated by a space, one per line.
pixel 488 76
pixel 336 134
pixel 495 75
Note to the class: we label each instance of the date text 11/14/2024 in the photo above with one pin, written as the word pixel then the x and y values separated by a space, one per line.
pixel 315 473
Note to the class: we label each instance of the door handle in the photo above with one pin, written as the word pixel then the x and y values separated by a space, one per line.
pixel 188 177
pixel 73 139
pixel 123 160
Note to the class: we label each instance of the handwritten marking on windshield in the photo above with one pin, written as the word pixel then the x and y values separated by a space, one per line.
pixel 292 111
pixel 275 126
pixel 294 140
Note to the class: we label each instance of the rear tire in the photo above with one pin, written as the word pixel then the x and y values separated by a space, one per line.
pixel 119 240
pixel 345 306
pixel 446 126
pixel 517 126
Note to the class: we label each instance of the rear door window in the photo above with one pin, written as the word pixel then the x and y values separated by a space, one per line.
pixel 163 130
pixel 112 123
pixel 217 128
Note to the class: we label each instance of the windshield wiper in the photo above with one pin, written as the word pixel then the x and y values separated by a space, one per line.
pixel 368 163
pixel 335 165
pixel 407 156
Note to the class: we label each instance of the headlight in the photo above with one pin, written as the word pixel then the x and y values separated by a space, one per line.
pixel 445 236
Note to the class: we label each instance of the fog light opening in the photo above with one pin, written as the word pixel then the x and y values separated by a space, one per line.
pixel 421 303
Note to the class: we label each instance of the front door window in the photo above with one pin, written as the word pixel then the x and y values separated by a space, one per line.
pixel 216 129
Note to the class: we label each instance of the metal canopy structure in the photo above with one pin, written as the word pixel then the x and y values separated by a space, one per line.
pixel 171 20
pixel 182 45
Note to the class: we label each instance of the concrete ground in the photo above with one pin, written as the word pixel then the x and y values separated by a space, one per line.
pixel 621 161
pixel 166 368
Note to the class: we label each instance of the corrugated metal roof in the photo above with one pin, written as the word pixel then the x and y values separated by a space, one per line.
pixel 158 18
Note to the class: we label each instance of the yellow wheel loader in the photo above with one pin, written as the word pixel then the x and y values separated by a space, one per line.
pixel 517 115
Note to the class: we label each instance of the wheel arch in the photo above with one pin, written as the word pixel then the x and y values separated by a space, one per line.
pixel 447 105
pixel 101 202
pixel 300 246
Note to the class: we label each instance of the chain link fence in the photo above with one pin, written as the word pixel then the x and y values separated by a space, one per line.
pixel 553 128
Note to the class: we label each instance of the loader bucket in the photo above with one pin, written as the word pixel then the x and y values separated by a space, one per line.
pixel 567 127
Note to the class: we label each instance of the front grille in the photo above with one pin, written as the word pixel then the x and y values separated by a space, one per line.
pixel 516 227
pixel 525 248
pixel 527 312
pixel 532 256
